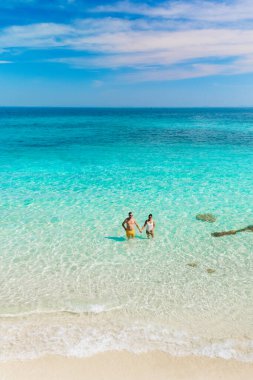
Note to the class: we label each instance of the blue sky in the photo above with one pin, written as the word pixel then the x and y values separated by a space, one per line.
pixel 126 53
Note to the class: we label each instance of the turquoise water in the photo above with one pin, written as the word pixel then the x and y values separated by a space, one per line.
pixel 70 282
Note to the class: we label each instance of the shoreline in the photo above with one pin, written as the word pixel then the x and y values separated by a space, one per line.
pixel 123 365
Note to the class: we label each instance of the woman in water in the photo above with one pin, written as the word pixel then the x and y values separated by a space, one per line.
pixel 150 226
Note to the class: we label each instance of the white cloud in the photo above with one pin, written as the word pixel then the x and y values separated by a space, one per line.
pixel 211 11
pixel 188 72
pixel 43 35
pixel 137 49
pixel 150 49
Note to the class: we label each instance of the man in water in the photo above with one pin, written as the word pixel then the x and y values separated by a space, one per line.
pixel 150 226
pixel 129 224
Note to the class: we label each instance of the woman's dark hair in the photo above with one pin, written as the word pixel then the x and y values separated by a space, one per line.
pixel 150 215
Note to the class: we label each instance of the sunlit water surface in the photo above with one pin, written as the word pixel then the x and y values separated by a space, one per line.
pixel 70 282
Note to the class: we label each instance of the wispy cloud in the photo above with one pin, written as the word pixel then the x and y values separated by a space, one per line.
pixel 168 41
pixel 213 11
pixel 43 35
pixel 45 4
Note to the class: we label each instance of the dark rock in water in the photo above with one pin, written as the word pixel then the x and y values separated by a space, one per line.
pixel 223 233
pixel 232 232
pixel 210 218
pixel 210 270
pixel 193 265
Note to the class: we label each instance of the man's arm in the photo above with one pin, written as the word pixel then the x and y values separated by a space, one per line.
pixel 137 225
pixel 123 224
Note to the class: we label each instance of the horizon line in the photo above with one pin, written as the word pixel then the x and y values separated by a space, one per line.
pixel 132 107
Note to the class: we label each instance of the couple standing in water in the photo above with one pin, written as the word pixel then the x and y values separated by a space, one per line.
pixel 129 224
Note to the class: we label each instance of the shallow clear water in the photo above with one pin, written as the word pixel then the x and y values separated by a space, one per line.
pixel 70 282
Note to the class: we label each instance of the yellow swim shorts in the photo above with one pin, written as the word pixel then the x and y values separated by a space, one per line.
pixel 130 233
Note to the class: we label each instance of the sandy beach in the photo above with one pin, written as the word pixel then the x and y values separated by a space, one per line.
pixel 126 366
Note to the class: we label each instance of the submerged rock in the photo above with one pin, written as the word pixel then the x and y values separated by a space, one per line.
pixel 232 232
pixel 223 233
pixel 210 270
pixel 193 265
pixel 210 218
pixel 248 228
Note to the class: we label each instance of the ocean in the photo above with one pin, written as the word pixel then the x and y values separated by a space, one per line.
pixel 71 284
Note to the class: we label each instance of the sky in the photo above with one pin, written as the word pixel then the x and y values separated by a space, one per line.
pixel 174 53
